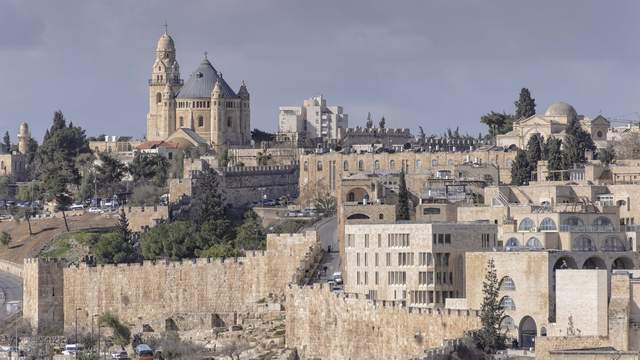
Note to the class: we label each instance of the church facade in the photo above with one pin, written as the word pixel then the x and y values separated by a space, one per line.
pixel 205 103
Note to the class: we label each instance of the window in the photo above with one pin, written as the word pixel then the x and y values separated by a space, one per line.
pixel 572 223
pixel 366 240
pixel 512 243
pixel 548 224
pixel 612 243
pixel 603 223
pixel 306 166
pixel 181 121
pixel 392 164
pixel 397 277
pixel 398 240
pixel 583 243
pixel 526 224
pixel 418 164
pixel 447 238
pixel 534 244
pixel 431 211
pixel 360 165
pixel 405 259
pixel 376 165
pixel 434 162
pixel 158 98
pixel 507 303
pixel 229 121
pixel 200 121
pixel 345 165
pixel 351 240
pixel 376 259
pixel 507 283
pixel 319 166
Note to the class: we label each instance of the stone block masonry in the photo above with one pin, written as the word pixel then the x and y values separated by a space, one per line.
pixel 324 325
pixel 192 294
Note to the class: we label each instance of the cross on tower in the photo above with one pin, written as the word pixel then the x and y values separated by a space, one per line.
pixel 205 54
pixel 166 27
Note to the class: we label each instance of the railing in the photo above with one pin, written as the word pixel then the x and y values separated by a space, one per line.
pixel 587 228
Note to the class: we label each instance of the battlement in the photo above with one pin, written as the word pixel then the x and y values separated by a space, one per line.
pixel 359 131
pixel 258 170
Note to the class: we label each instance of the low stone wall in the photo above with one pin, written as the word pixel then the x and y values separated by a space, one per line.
pixel 545 345
pixel 11 268
pixel 322 324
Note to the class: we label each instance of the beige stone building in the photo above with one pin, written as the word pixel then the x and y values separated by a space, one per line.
pixel 14 164
pixel 553 123
pixel 420 263
pixel 313 120
pixel 205 103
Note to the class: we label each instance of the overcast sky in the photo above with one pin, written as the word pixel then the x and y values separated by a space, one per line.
pixel 437 64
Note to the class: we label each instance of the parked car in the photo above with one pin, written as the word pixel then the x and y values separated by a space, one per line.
pixel 76 206
pixel 119 355
pixel 337 277
pixel 94 210
pixel 144 352
pixel 72 349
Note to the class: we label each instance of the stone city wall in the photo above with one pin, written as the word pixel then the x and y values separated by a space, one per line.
pixel 324 325
pixel 189 294
pixel 11 268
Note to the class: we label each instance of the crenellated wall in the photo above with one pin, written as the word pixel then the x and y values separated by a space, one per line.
pixel 188 294
pixel 325 325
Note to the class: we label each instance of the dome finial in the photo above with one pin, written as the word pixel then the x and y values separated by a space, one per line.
pixel 205 55
pixel 166 27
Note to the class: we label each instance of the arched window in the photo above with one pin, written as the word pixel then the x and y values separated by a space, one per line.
pixel 507 283
pixel 319 166
pixel 418 164
pixel 158 98
pixel 548 224
pixel 392 165
pixel 612 243
pixel 534 244
pixel 572 223
pixel 200 121
pixel 583 243
pixel 181 121
pixel 507 325
pixel 507 303
pixel 306 166
pixel 351 196
pixel 345 165
pixel 512 243
pixel 434 162
pixel 361 165
pixel 376 164
pixel 526 224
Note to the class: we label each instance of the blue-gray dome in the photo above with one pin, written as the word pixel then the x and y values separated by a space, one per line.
pixel 201 82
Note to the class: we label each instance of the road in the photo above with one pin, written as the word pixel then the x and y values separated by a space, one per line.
pixel 331 260
pixel 10 290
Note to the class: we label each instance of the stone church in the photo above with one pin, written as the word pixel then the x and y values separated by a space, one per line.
pixel 204 106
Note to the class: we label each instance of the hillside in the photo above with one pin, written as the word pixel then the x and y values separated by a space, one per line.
pixel 23 246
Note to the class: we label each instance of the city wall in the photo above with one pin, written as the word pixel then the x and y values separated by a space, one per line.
pixel 11 268
pixel 191 294
pixel 324 325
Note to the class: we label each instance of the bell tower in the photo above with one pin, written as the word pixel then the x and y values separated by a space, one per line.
pixel 165 79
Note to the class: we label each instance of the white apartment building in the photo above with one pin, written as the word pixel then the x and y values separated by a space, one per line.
pixel 420 263
pixel 313 120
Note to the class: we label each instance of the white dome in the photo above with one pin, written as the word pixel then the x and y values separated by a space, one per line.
pixel 561 109
pixel 165 43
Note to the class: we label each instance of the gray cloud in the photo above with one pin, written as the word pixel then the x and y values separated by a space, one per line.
pixel 430 63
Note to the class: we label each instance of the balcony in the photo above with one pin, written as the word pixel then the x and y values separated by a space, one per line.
pixel 587 228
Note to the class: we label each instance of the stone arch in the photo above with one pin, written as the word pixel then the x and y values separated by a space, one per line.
pixel 547 224
pixel 534 244
pixel 528 332
pixel 622 263
pixel 508 326
pixel 594 262
pixel 511 243
pixel 358 217
pixel 613 243
pixel 361 165
pixel 507 283
pixel 158 98
pixel 357 195
pixel 345 165
pixel 603 222
pixel 583 243
pixel 565 262
pixel 572 223
pixel 526 224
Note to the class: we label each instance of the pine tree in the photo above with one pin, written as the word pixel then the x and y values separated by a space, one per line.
pixel 521 169
pixel 491 312
pixel 369 124
pixel 208 201
pixel 122 229
pixel 6 140
pixel 403 199
pixel 382 123
pixel 526 105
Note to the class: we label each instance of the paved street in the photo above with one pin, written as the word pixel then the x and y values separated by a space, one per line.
pixel 329 238
pixel 10 290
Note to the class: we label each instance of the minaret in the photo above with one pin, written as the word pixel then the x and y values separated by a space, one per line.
pixel 23 138
pixel 217 115
pixel 165 72
pixel 245 114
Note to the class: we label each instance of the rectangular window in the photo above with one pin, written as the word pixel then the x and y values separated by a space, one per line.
pixel 358 277
pixel 433 238
pixel 429 277
pixel 376 278
pixel 357 259
pixel 366 278
pixel 422 278
pixel 440 238
pixel 366 240
pixel 379 240
pixel 366 263
pixel 447 238
pixel 388 259
pixel 376 259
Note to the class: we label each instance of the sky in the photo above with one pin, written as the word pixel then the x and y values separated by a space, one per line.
pixel 435 64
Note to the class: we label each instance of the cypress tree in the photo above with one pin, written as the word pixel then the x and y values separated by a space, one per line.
pixel 577 142
pixel 526 105
pixel 491 312
pixel 520 170
pixel 369 121
pixel 403 199
pixel 555 157
pixel 122 229
pixel 7 142
pixel 382 123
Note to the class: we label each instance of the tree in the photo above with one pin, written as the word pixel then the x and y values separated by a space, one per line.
pixel 607 155
pixel 491 312
pixel 535 147
pixel 498 123
pixel 382 123
pixel 521 169
pixel 526 105
pixel 121 333
pixel 224 159
pixel 325 203
pixel 628 147
pixel 122 228
pixel 109 174
pixel 6 141
pixel 369 123
pixel 263 159
pixel 421 136
pixel 5 238
pixel 403 198
pixel 251 234
pixel 113 248
pixel 577 142
pixel 555 158
pixel 207 202
pixel 63 201
pixel 149 168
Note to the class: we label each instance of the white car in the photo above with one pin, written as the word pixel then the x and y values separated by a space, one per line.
pixel 73 349
pixel 94 210
pixel 76 207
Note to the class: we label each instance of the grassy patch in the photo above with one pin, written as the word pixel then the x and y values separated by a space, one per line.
pixel 73 245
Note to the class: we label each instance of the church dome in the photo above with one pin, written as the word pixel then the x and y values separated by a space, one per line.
pixel 165 43
pixel 561 109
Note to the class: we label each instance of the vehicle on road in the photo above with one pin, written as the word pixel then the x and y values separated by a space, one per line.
pixel 337 278
pixel 76 206
pixel 94 210
pixel 144 352
pixel 72 349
